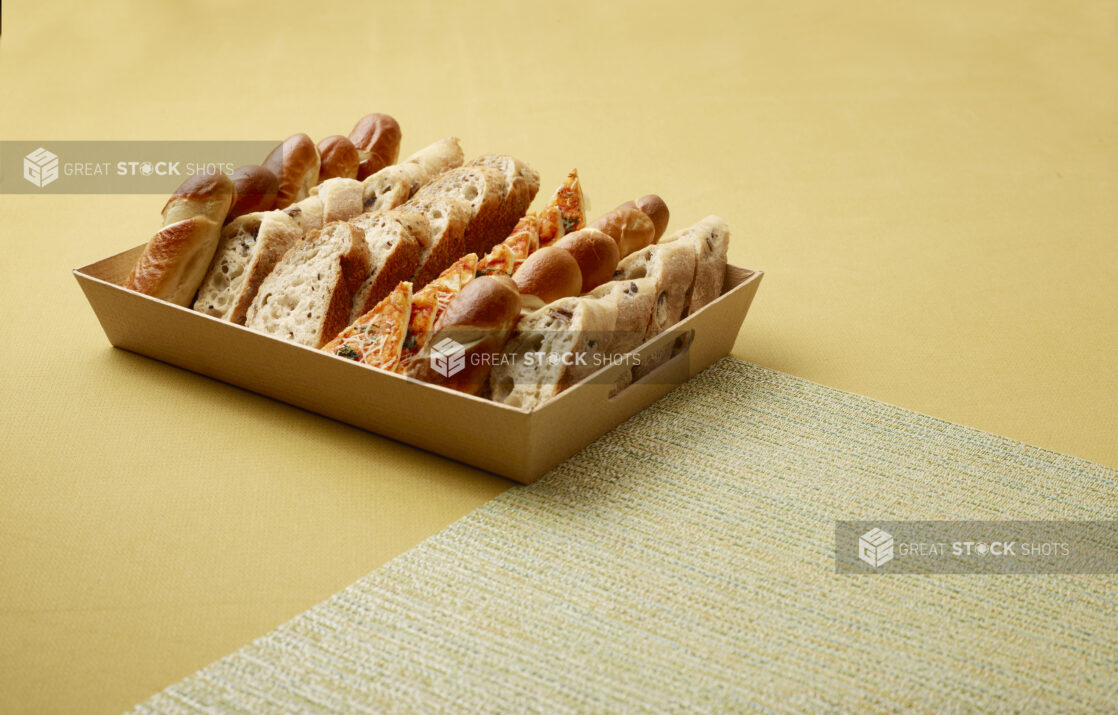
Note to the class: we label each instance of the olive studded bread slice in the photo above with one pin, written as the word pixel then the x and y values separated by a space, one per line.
pixel 250 247
pixel 395 239
pixel 553 348
pixel 308 296
pixel 709 239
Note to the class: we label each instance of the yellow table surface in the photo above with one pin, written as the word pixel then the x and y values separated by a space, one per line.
pixel 931 188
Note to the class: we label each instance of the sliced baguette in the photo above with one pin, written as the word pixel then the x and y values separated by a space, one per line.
pixel 308 297
pixel 522 184
pixel 448 217
pixel 250 247
pixel 484 189
pixel 395 239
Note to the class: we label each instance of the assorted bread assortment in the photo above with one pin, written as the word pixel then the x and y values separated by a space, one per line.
pixel 406 265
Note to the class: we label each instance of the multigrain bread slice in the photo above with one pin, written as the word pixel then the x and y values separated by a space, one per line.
pixel 522 185
pixel 709 239
pixel 553 348
pixel 308 297
pixel 250 247
pixel 448 217
pixel 484 189
pixel 395 239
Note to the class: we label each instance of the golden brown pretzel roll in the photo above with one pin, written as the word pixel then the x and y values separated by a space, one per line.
pixel 338 158
pixel 254 189
pixel 176 258
pixel 596 254
pixel 654 207
pixel 377 138
pixel 480 319
pixel 295 163
pixel 549 274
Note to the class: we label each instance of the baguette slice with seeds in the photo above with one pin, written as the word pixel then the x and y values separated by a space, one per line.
pixel 448 217
pixel 484 189
pixel 308 297
pixel 395 239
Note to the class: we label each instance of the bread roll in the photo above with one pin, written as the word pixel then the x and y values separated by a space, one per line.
pixel 596 254
pixel 629 227
pixel 549 274
pixel 295 163
pixel 479 321
pixel 176 258
pixel 654 207
pixel 338 158
pixel 377 139
pixel 254 189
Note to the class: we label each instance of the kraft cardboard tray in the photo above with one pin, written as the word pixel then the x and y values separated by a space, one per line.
pixel 515 443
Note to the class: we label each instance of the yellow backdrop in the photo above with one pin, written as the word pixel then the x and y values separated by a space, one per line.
pixel 930 186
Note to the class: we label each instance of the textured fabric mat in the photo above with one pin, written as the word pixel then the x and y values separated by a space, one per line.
pixel 684 562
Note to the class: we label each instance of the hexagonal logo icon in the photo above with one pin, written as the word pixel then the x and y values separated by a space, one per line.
pixel 448 357
pixel 40 167
pixel 875 547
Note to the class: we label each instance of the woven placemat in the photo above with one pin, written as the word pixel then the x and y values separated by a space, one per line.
pixel 685 562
